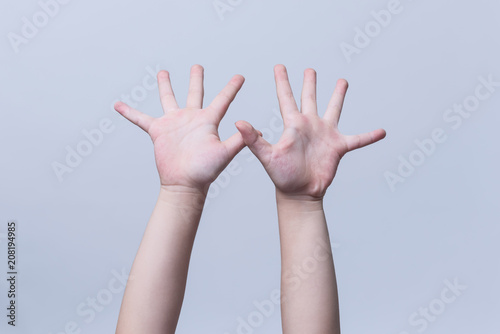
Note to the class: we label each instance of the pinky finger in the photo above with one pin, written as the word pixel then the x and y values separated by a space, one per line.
pixel 135 116
pixel 364 139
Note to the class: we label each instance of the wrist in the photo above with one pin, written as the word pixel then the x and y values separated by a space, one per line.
pixel 182 197
pixel 298 202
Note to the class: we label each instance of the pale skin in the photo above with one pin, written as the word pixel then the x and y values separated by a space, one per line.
pixel 190 155
pixel 302 164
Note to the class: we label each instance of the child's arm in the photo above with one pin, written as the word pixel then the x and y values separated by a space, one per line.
pixel 189 156
pixel 302 165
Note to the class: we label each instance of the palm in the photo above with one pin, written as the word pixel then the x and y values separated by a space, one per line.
pixel 305 159
pixel 302 160
pixel 188 150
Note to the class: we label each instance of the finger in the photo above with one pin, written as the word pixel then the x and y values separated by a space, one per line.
pixel 252 138
pixel 195 93
pixel 364 139
pixel 284 91
pixel 308 98
pixel 234 144
pixel 332 114
pixel 221 102
pixel 135 116
pixel 167 96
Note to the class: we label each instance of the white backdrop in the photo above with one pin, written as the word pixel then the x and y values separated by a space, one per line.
pixel 414 218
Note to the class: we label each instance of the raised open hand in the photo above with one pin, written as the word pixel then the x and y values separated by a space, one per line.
pixel 304 161
pixel 188 150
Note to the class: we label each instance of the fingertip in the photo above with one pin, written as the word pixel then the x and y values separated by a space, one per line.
pixel 120 106
pixel 243 125
pixel 248 132
pixel 163 74
pixel 383 133
pixel 238 79
pixel 343 83
pixel 197 68
pixel 310 71
pixel 280 73
pixel 378 135
pixel 279 68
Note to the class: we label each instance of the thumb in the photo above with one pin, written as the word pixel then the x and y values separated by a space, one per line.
pixel 357 141
pixel 135 116
pixel 253 139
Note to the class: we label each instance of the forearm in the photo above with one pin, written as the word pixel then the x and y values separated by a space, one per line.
pixel 308 284
pixel 155 290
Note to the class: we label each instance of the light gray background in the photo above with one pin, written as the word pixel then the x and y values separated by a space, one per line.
pixel 393 249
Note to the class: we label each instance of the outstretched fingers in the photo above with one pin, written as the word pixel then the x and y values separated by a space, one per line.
pixel 357 141
pixel 135 116
pixel 308 98
pixel 221 102
pixel 253 139
pixel 284 91
pixel 167 96
pixel 334 108
pixel 195 93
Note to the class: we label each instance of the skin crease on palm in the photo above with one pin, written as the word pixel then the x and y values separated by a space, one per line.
pixel 189 152
pixel 190 155
pixel 304 161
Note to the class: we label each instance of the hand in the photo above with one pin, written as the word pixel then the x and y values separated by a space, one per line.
pixel 188 151
pixel 304 161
